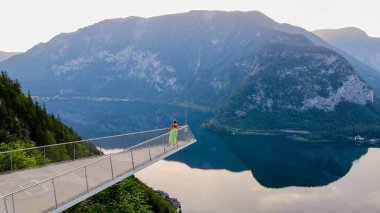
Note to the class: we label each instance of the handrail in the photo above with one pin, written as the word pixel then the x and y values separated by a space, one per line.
pixel 147 141
pixel 83 166
pixel 81 141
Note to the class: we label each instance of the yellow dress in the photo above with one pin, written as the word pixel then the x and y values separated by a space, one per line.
pixel 173 135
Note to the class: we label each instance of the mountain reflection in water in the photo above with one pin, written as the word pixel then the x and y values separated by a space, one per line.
pixel 275 161
pixel 221 190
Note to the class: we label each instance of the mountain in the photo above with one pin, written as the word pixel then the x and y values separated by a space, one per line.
pixel 5 55
pixel 355 42
pixel 244 61
pixel 302 87
pixel 160 58
pixel 367 73
pixel 166 57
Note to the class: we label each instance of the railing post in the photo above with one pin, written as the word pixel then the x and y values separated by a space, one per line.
pixel 133 163
pixel 44 154
pixel 74 152
pixel 85 174
pixel 55 194
pixel 163 139
pixel 13 204
pixel 125 143
pixel 5 204
pixel 111 167
pixel 11 161
pixel 150 156
pixel 177 138
pixel 186 134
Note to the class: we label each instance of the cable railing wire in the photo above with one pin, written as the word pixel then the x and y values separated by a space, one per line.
pixel 70 149
pixel 81 141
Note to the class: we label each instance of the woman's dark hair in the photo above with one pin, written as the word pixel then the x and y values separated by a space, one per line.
pixel 174 121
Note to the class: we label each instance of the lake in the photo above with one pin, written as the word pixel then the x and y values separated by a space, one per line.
pixel 239 173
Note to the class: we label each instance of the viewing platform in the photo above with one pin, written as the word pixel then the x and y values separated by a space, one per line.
pixel 59 185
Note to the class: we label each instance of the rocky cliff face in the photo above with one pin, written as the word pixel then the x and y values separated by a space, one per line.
pixel 353 90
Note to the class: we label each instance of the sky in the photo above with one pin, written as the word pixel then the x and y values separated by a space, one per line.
pixel 25 23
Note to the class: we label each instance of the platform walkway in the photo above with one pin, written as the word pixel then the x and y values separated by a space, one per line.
pixel 58 186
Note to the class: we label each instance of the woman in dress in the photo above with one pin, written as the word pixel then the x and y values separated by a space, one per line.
pixel 173 133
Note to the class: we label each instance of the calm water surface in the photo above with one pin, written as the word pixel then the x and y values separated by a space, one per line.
pixel 230 173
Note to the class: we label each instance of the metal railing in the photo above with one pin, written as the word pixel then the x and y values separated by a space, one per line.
pixel 54 192
pixel 72 150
